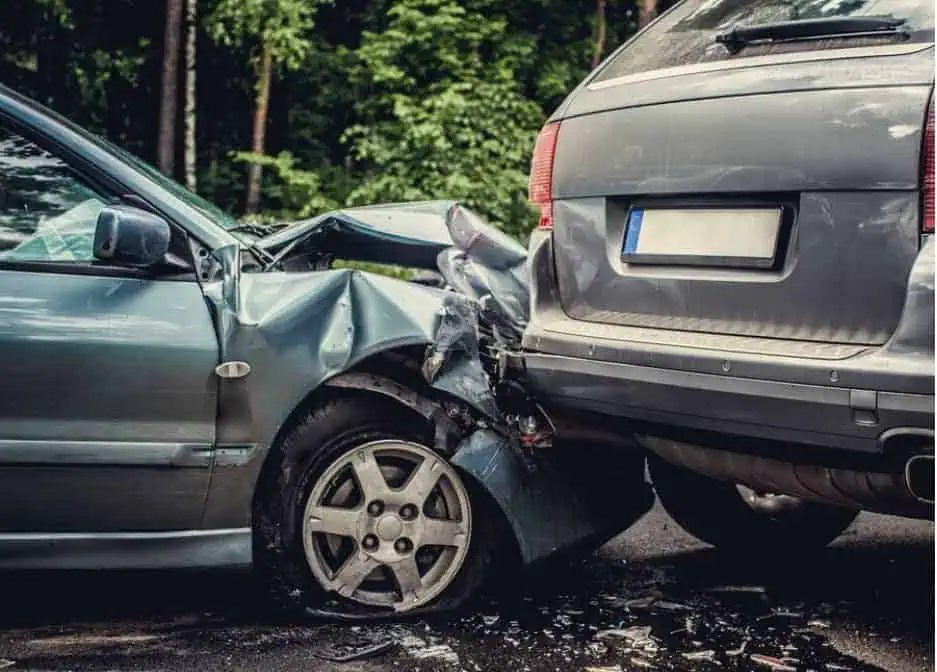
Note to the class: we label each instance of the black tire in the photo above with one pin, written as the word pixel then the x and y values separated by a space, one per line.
pixel 322 436
pixel 715 512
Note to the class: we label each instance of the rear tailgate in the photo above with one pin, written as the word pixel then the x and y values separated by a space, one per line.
pixel 778 197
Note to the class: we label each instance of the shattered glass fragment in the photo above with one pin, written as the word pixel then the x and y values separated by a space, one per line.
pixel 771 663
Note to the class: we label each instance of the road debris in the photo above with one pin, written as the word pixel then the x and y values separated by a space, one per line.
pixel 739 651
pixel 344 652
pixel 637 633
pixel 772 663
pixel 781 613
pixel 665 605
pixel 700 655
pixel 641 603
pixel 442 653
pixel 412 642
pixel 596 649
pixel 757 590
pixel 643 662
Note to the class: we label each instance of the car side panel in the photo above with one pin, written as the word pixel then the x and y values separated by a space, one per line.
pixel 108 404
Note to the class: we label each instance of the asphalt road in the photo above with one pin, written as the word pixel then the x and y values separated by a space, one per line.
pixel 650 599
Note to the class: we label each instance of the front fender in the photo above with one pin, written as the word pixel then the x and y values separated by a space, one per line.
pixel 556 500
pixel 297 330
pixel 563 498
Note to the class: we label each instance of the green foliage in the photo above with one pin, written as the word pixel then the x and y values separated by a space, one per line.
pixel 445 116
pixel 375 100
pixel 58 9
pixel 399 272
pixel 299 192
pixel 282 26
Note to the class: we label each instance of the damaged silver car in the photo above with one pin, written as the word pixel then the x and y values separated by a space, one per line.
pixel 179 392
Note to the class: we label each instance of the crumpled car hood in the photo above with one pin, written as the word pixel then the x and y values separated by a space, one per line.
pixel 407 234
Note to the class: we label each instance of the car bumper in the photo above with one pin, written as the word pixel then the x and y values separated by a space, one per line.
pixel 852 419
pixel 852 401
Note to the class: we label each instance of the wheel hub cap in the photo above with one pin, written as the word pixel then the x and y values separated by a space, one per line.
pixel 389 528
pixel 409 552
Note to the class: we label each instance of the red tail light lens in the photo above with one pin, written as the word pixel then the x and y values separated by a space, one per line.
pixel 540 191
pixel 927 178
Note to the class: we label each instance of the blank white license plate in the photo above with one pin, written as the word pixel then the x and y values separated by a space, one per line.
pixel 703 236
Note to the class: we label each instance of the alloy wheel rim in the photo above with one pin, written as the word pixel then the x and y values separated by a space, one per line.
pixel 387 524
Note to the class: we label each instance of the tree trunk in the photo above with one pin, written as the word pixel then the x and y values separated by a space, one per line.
pixel 648 12
pixel 601 37
pixel 189 114
pixel 167 105
pixel 260 125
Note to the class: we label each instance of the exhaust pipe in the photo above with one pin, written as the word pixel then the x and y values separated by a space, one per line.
pixel 919 477
pixel 908 493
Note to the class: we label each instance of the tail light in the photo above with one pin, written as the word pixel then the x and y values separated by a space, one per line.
pixel 927 163
pixel 540 191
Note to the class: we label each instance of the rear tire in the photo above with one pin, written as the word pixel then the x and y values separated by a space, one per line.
pixel 310 464
pixel 715 512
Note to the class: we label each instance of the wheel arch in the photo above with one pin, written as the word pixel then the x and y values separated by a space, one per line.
pixel 395 375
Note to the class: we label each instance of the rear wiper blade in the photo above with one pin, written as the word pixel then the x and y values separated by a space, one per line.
pixel 739 37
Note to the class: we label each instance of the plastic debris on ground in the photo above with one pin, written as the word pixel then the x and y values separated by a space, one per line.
pixel 347 651
pixel 772 663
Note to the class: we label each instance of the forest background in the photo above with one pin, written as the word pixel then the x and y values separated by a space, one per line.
pixel 279 109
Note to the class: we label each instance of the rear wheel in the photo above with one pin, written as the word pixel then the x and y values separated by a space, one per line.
pixel 364 511
pixel 738 519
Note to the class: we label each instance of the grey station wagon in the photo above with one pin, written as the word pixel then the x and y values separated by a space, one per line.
pixel 735 262
pixel 178 391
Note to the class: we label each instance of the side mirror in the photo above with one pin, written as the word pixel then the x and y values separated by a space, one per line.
pixel 128 236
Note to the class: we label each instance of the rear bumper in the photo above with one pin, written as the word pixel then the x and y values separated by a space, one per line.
pixel 853 402
pixel 850 419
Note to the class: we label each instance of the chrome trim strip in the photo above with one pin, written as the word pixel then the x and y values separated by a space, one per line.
pixel 762 61
pixel 102 453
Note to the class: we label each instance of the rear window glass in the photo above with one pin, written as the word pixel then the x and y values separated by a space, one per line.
pixel 686 34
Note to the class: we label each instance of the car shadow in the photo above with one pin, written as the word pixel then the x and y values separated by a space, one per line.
pixel 893 580
pixel 694 601
pixel 32 599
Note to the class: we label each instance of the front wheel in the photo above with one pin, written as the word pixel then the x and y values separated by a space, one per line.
pixel 363 510
pixel 737 519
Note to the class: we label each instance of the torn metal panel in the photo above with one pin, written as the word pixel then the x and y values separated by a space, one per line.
pixel 407 234
pixel 473 257
pixel 554 503
pixel 491 267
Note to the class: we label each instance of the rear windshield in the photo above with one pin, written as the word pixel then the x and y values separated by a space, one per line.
pixel 686 34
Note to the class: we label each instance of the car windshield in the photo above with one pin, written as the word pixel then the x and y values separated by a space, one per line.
pixel 686 34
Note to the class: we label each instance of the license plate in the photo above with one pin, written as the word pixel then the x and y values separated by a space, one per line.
pixel 735 237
